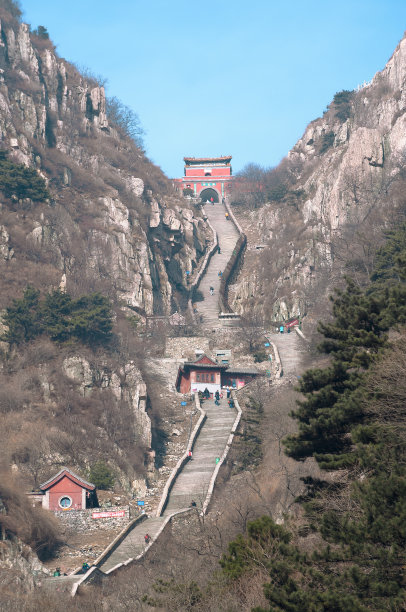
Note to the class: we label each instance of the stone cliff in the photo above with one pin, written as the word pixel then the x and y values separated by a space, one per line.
pixel 113 215
pixel 112 224
pixel 342 185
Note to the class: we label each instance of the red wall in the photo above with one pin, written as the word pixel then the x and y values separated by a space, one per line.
pixel 65 487
pixel 194 172
pixel 221 172
pixel 185 383
pixel 224 172
pixel 205 376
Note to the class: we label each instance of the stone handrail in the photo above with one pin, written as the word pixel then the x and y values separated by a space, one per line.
pixel 154 539
pixel 300 333
pixel 232 216
pixel 232 262
pixel 194 286
pixel 118 539
pixel 183 460
pixel 95 573
pixel 278 361
pixel 223 456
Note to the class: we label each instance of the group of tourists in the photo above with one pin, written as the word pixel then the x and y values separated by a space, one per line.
pixel 203 395
pixel 85 567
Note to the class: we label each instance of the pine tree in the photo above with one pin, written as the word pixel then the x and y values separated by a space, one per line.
pixel 332 406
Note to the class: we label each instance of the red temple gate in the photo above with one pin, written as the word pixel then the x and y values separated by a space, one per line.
pixel 207 177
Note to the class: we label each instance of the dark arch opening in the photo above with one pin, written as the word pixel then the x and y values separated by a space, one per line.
pixel 209 193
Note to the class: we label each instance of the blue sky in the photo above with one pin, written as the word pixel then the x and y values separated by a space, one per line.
pixel 242 77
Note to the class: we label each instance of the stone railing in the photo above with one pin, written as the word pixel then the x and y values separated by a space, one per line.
pixel 183 460
pixel 277 359
pixel 232 263
pixel 300 333
pixel 195 285
pixel 223 456
pixel 107 552
pixel 95 574
pixel 152 540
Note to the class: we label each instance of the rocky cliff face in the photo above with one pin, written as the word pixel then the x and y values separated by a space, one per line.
pixel 113 224
pixel 344 181
pixel 113 216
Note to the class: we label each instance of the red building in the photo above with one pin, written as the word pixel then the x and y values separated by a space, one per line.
pixel 199 375
pixel 207 177
pixel 204 373
pixel 67 491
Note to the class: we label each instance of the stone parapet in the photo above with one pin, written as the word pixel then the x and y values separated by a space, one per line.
pixel 232 263
pixel 183 460
pixel 224 455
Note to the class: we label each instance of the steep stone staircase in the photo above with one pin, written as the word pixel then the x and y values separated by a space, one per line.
pixel 227 236
pixel 134 544
pixel 192 483
pixel 290 348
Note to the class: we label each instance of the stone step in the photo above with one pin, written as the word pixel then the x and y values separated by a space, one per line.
pixel 194 479
pixel 134 543
pixel 227 237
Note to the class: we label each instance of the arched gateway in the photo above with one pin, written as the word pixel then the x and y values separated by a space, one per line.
pixel 209 193
pixel 205 175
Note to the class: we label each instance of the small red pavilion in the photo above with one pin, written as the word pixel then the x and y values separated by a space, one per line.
pixel 207 177
pixel 205 373
pixel 67 491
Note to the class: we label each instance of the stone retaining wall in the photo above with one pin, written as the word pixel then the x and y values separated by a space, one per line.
pixel 82 521
pixel 184 347
pixel 232 264
pixel 224 455
pixel 183 460
pixel 204 266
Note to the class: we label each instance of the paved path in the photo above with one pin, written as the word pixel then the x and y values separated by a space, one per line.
pixel 290 348
pixel 227 236
pixel 134 543
pixel 192 483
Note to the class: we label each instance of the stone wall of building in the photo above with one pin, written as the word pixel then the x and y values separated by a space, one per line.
pixel 82 520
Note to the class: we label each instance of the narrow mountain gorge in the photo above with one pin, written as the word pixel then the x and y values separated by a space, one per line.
pixel 146 355
pixel 324 209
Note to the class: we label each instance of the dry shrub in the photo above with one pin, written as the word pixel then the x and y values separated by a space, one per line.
pixel 15 278
pixel 40 44
pixel 7 17
pixel 16 81
pixel 34 526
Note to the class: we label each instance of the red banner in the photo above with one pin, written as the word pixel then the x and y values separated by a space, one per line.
pixel 97 515
pixel 292 323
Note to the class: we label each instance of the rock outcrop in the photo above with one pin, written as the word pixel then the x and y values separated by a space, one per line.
pixel 113 215
pixel 112 224
pixel 342 180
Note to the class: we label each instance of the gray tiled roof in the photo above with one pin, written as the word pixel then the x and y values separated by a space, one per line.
pixel 65 469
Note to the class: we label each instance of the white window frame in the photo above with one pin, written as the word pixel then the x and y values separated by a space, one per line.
pixel 63 497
